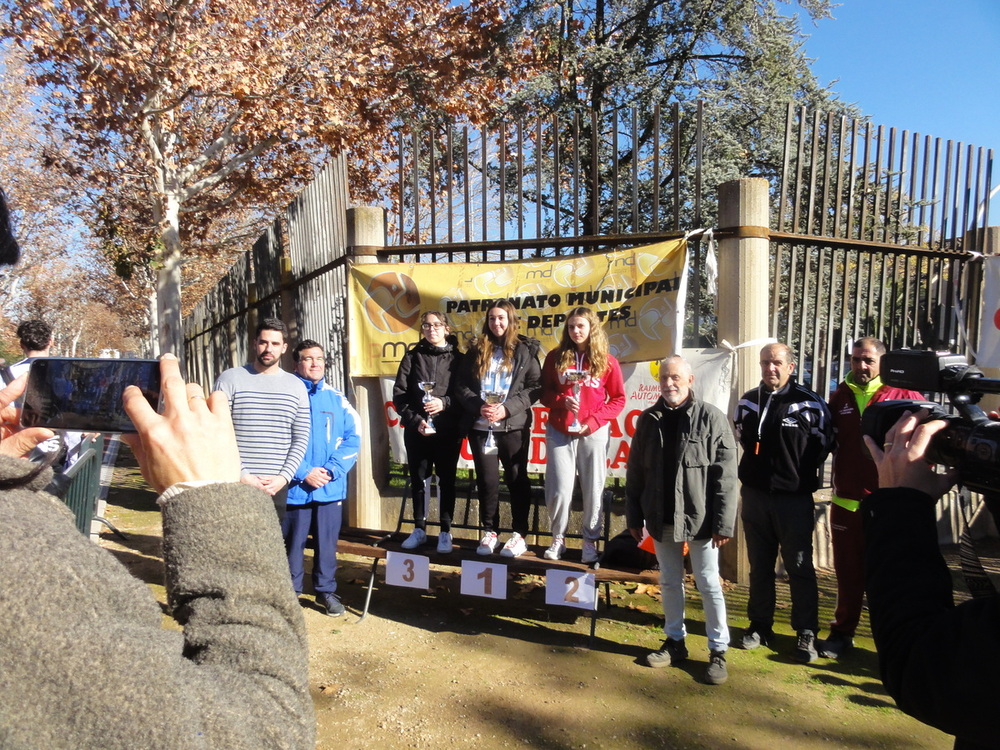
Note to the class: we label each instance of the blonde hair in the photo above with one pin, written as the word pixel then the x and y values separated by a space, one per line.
pixel 595 348
pixel 485 343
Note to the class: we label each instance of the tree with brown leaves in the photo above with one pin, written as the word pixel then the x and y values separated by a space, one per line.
pixel 210 106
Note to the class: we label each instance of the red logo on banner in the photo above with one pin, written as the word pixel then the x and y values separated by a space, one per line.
pixel 996 318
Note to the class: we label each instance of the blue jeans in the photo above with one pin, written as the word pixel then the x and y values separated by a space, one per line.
pixel 705 566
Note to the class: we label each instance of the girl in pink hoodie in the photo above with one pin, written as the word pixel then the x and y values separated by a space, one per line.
pixel 582 386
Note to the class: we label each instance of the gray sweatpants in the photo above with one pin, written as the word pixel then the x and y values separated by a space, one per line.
pixel 565 457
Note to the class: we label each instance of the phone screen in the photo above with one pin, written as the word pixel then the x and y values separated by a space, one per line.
pixel 85 395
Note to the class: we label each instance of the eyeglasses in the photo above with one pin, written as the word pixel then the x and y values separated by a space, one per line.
pixel 432 326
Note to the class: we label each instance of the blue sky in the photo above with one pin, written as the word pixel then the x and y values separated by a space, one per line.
pixel 931 66
pixel 927 66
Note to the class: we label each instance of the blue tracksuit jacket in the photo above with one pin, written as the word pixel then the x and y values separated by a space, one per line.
pixel 333 444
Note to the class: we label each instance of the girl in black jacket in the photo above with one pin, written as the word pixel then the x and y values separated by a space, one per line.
pixel 430 417
pixel 500 380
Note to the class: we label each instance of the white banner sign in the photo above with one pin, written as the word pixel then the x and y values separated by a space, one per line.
pixel 713 373
pixel 989 331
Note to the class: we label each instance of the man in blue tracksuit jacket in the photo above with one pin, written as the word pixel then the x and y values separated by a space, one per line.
pixel 319 487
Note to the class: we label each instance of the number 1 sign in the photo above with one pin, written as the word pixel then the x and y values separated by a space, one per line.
pixel 484 579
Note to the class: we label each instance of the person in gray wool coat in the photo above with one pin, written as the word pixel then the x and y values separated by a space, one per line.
pixel 84 659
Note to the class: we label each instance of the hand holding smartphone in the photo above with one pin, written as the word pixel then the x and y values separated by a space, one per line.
pixel 85 394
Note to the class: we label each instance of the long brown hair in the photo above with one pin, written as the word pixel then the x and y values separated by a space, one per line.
pixel 596 348
pixel 485 343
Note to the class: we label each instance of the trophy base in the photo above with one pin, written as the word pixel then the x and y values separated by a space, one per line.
pixel 574 428
pixel 430 430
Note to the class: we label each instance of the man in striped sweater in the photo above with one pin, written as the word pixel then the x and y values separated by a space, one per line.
pixel 270 410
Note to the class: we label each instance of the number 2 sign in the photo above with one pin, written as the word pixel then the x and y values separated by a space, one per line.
pixel 570 589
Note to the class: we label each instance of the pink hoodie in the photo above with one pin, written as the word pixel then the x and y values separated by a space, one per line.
pixel 601 399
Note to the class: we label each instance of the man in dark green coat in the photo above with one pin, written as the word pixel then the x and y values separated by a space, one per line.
pixel 681 484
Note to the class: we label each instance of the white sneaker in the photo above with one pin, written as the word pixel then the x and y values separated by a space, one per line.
pixel 415 539
pixel 556 549
pixel 515 546
pixel 589 553
pixel 444 543
pixel 488 543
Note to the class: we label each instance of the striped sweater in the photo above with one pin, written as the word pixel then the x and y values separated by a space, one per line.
pixel 271 417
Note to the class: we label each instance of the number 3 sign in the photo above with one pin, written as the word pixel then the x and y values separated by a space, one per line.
pixel 570 589
pixel 412 571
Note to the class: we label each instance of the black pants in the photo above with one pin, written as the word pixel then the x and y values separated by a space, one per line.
pixel 775 522
pixel 512 452
pixel 429 454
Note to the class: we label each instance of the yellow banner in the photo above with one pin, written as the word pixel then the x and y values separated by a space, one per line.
pixel 638 293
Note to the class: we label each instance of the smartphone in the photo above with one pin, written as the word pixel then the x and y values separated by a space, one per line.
pixel 85 395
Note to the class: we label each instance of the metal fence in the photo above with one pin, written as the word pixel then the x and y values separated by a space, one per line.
pixel 296 271
pixel 850 179
pixel 877 235
pixel 621 172
pixel 531 188
pixel 875 228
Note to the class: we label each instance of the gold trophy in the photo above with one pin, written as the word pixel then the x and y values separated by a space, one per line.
pixel 576 377
pixel 428 387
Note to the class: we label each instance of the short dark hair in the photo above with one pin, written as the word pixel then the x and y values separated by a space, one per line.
pixel 271 324
pixel 34 335
pixel 306 344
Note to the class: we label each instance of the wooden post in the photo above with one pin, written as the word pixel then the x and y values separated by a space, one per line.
pixel 365 234
pixel 744 284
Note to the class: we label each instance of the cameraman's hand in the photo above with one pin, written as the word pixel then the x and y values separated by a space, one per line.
pixel 192 440
pixel 15 441
pixel 900 461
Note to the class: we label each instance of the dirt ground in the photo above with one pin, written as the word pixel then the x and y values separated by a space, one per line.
pixel 437 669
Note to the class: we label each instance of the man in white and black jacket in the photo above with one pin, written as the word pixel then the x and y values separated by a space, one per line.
pixel 786 433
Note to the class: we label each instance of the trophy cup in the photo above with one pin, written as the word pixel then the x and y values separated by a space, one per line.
pixel 428 386
pixel 576 377
pixel 492 397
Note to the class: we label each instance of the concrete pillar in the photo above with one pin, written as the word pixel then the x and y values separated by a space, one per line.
pixel 744 294
pixel 365 235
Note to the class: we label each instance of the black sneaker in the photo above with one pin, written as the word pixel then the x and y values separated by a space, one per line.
pixel 331 602
pixel 755 636
pixel 805 647
pixel 716 673
pixel 836 645
pixel 672 654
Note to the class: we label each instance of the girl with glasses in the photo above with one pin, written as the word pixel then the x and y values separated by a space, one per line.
pixel 423 397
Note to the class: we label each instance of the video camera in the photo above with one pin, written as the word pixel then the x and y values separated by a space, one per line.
pixel 971 442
